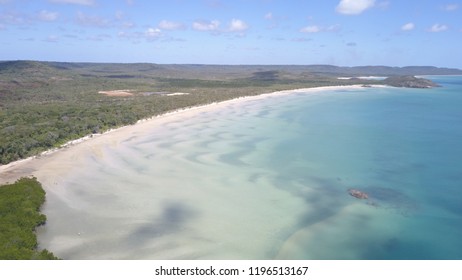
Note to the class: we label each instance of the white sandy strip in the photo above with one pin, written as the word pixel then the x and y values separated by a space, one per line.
pixel 29 166
pixel 120 92
pixel 177 93
pixel 372 77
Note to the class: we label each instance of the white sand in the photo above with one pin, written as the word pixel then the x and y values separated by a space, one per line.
pixel 168 188
pixel 30 166
pixel 120 92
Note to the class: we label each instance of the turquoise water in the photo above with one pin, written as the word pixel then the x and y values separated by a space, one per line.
pixel 269 179
pixel 401 146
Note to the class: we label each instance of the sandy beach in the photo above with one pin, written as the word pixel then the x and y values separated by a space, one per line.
pixel 189 184
pixel 35 166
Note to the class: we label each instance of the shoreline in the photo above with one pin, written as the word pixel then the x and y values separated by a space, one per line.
pixel 12 169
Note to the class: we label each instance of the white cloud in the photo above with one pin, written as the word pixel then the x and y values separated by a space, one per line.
pixel 316 29
pixel 311 29
pixel 451 7
pixel 238 25
pixel 77 2
pixel 206 25
pixel 153 33
pixel 170 25
pixel 45 15
pixel 269 16
pixel 354 7
pixel 408 26
pixel 438 28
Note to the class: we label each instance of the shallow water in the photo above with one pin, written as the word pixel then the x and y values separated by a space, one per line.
pixel 268 179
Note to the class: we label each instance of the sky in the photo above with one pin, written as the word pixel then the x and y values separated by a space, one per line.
pixel 296 32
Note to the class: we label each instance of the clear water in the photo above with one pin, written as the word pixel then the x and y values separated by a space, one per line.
pixel 268 179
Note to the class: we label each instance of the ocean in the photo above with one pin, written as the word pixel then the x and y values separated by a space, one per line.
pixel 268 179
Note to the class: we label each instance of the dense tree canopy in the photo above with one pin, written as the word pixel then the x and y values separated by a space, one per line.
pixel 19 216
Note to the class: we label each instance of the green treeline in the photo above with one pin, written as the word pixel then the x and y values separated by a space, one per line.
pixel 19 216
pixel 44 105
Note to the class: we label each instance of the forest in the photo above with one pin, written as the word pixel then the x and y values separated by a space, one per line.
pixel 20 204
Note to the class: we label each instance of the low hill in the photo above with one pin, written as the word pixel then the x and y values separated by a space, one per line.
pixel 409 82
pixel 33 69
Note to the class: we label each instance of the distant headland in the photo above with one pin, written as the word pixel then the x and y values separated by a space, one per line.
pixel 409 82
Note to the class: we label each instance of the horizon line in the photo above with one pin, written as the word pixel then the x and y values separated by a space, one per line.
pixel 219 64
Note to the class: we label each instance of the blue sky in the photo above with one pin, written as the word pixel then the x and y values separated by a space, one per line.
pixel 340 32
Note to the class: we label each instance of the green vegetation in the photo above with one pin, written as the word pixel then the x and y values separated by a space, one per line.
pixel 409 82
pixel 19 216
pixel 46 104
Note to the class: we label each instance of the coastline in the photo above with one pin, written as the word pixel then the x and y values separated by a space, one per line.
pixel 14 170
pixel 167 187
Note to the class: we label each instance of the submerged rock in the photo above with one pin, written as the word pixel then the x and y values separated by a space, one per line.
pixel 358 194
